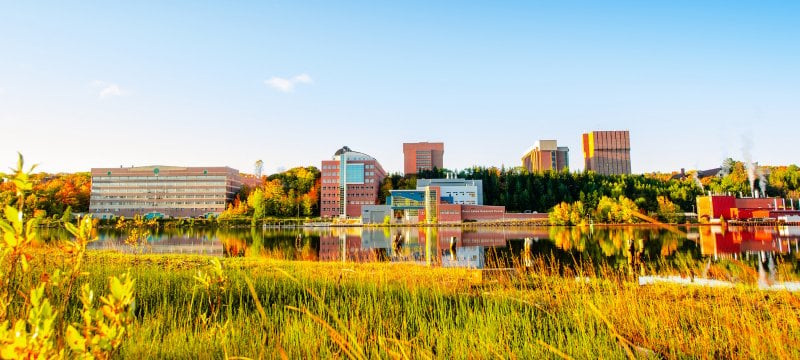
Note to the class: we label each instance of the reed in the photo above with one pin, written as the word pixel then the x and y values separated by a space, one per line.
pixel 277 308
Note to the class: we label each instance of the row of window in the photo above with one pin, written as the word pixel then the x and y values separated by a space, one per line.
pixel 351 187
pixel 165 203
pixel 336 167
pixel 159 190
pixel 353 195
pixel 158 184
pixel 167 177
pixel 336 181
pixel 120 197
pixel 144 210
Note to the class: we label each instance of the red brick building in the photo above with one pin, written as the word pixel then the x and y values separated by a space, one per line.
pixel 546 155
pixel 349 180
pixel 607 152
pixel 422 156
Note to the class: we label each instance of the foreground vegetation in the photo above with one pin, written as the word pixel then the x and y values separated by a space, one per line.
pixel 181 307
pixel 188 306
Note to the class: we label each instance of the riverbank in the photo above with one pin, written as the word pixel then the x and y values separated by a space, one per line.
pixel 328 309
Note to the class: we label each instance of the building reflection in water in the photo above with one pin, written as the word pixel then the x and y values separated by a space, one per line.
pixel 631 249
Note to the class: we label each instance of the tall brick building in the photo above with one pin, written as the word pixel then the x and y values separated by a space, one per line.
pixel 607 152
pixel 349 180
pixel 546 155
pixel 422 156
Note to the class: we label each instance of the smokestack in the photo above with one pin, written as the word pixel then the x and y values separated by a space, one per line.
pixel 776 203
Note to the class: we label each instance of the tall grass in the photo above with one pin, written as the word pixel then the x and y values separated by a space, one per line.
pixel 312 309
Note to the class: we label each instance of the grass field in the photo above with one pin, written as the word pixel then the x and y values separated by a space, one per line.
pixel 390 310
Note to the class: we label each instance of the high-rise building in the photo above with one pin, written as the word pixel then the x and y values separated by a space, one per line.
pixel 349 180
pixel 607 152
pixel 546 155
pixel 169 191
pixel 422 156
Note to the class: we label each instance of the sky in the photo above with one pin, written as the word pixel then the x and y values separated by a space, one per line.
pixel 197 83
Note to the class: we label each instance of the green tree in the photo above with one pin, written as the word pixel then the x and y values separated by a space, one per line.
pixel 668 211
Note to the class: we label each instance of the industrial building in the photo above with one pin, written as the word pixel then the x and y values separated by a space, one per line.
pixel 546 155
pixel 422 156
pixel 714 208
pixel 162 191
pixel 350 180
pixel 607 152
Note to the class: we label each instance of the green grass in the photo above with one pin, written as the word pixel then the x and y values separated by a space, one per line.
pixel 386 310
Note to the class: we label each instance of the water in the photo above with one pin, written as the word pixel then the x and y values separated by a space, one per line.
pixel 768 252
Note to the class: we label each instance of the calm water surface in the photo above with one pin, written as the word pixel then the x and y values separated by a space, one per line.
pixel 644 248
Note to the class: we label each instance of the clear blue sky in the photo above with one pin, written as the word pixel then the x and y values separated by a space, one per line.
pixel 88 84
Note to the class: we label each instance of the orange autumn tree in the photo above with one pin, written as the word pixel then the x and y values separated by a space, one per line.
pixel 52 194
pixel 287 194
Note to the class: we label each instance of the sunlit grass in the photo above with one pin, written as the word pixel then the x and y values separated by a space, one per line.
pixel 389 310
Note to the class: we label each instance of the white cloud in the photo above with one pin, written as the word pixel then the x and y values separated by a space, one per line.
pixel 288 85
pixel 108 90
pixel 303 78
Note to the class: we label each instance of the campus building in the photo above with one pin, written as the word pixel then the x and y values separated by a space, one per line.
pixel 607 152
pixel 163 191
pixel 546 155
pixel 714 208
pixel 430 204
pixel 350 180
pixel 422 156
pixel 458 191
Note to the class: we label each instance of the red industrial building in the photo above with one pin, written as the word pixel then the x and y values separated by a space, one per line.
pixel 716 207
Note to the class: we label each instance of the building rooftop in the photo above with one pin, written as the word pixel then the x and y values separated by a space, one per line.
pixel 350 152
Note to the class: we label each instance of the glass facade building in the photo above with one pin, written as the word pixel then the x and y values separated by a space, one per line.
pixel 349 181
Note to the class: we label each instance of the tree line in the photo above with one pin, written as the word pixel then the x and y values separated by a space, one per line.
pixel 51 195
pixel 297 191
pixel 292 193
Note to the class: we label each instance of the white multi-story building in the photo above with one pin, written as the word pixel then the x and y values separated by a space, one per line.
pixel 461 191
pixel 169 191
